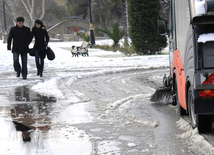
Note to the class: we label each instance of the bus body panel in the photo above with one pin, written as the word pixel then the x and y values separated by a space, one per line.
pixel 180 76
pixel 192 60
pixel 182 19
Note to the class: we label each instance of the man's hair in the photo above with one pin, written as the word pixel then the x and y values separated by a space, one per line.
pixel 20 19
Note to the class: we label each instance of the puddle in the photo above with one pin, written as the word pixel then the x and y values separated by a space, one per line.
pixel 25 131
pixel 39 130
pixel 30 109
pixel 24 94
pixel 29 101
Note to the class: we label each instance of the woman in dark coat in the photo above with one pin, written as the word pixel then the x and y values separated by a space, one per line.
pixel 41 40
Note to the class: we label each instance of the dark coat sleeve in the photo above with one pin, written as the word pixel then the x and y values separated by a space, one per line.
pixel 9 40
pixel 46 36
pixel 30 36
pixel 32 33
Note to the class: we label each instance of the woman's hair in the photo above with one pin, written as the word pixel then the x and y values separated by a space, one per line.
pixel 39 22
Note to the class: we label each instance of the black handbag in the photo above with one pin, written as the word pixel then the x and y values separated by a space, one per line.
pixel 32 52
pixel 50 54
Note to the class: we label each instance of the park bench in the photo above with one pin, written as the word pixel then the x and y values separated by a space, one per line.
pixel 74 51
pixel 81 50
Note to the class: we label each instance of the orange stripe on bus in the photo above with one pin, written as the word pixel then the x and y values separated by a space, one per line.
pixel 181 79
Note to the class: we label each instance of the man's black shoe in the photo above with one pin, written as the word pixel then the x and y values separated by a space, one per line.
pixel 24 78
pixel 40 75
pixel 17 74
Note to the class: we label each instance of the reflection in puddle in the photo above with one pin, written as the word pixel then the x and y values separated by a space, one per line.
pixel 30 110
pixel 25 131
pixel 25 94
pixel 30 101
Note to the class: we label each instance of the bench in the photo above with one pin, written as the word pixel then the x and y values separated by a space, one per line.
pixel 81 50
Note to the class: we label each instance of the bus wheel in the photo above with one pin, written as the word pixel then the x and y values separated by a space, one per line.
pixel 202 122
pixel 181 111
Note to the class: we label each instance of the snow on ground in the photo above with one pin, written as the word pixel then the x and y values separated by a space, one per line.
pixel 194 140
pixel 59 140
pixel 105 62
pixel 75 114
pixel 48 88
pixel 10 139
pixel 126 105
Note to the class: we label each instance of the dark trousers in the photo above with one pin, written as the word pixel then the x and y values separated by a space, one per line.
pixel 39 62
pixel 17 66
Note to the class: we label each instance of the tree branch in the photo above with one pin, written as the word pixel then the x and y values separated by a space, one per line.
pixel 26 7
pixel 43 10
pixel 32 8
pixel 29 10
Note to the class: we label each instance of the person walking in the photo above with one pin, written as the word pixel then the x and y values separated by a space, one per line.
pixel 41 41
pixel 21 37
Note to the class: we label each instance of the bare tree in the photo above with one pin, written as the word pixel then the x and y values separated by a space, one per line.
pixel 49 11
pixel 30 7
pixel 9 14
pixel 11 11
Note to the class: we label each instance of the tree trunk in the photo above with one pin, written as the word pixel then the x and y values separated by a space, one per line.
pixel 29 8
pixel 101 20
pixel 106 20
pixel 43 10
pixel 126 21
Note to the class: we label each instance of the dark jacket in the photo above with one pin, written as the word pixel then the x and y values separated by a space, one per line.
pixel 41 40
pixel 21 39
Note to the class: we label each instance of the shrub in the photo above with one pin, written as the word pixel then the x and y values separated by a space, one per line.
pixel 127 48
pixel 115 33
pixel 143 16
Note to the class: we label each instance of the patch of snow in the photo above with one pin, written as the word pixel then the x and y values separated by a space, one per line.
pixel 199 7
pixel 203 38
pixel 146 150
pixel 49 88
pixel 131 144
pixel 74 114
pixel 109 148
pixel 96 130
pixel 10 139
pixel 195 141
pixel 69 140
pixel 124 105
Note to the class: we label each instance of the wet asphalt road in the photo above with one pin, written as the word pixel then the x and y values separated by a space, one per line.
pixel 125 124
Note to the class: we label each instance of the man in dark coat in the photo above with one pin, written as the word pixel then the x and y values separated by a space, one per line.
pixel 21 37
